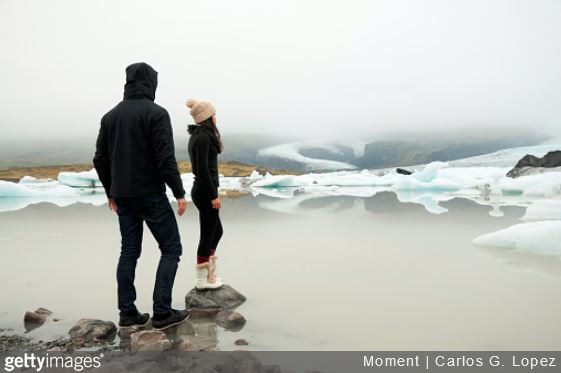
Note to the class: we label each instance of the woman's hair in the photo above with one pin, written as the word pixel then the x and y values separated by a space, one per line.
pixel 208 123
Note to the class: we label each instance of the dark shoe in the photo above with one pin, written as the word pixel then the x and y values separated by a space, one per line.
pixel 176 317
pixel 139 320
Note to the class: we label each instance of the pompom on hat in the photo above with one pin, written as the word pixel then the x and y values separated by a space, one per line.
pixel 200 110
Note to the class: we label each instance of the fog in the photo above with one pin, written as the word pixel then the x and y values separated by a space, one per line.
pixel 285 68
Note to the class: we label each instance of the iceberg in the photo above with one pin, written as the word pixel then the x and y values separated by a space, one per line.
pixel 84 179
pixel 442 185
pixel 428 173
pixel 32 181
pixel 9 189
pixel 546 185
pixel 543 237
pixel 16 196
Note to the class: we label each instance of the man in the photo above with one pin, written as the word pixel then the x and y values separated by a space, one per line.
pixel 135 159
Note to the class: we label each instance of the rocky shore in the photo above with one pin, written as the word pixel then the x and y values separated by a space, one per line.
pixel 209 310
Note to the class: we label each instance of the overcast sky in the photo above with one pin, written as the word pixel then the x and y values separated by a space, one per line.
pixel 285 67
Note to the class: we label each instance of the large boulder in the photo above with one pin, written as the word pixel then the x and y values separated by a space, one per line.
pixel 226 298
pixel 529 162
pixel 92 330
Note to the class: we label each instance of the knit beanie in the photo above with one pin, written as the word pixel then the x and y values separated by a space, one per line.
pixel 200 110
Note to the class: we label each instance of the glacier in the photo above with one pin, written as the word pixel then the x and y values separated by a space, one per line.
pixel 291 152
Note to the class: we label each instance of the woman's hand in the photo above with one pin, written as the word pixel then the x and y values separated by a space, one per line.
pixel 112 204
pixel 216 204
pixel 181 206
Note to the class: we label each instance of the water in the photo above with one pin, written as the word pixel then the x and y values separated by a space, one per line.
pixel 327 273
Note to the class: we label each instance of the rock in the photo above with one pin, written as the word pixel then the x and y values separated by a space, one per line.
pixel 34 318
pixel 89 330
pixel 125 333
pixel 163 345
pixel 224 298
pixel 185 344
pixel 43 311
pixel 19 343
pixel 146 337
pixel 550 160
pixel 241 342
pixel 242 361
pixel 526 171
pixel 230 320
pixel 403 171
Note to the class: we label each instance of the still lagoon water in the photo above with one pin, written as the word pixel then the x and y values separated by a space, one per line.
pixel 320 273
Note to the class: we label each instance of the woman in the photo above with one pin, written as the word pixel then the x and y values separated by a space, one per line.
pixel 204 146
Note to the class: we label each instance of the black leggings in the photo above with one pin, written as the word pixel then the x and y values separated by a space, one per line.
pixel 211 226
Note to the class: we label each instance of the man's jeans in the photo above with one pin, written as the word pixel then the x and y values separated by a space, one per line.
pixel 156 211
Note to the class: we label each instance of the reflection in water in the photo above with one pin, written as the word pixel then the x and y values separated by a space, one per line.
pixel 382 200
pixel 202 332
pixel 546 266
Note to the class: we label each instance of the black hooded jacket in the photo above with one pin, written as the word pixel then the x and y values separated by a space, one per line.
pixel 135 153
pixel 203 151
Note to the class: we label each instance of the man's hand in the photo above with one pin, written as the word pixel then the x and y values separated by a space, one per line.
pixel 216 204
pixel 112 205
pixel 182 206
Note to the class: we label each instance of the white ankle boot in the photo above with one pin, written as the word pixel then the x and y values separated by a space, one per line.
pixel 205 279
pixel 214 267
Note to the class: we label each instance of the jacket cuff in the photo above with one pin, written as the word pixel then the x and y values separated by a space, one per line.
pixel 178 193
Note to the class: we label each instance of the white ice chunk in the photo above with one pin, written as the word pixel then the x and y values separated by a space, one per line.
pixel 30 180
pixel 255 175
pixel 434 185
pixel 279 181
pixel 546 184
pixel 542 238
pixel 84 179
pixel 8 189
pixel 429 172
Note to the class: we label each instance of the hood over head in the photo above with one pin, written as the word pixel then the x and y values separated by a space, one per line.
pixel 142 81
